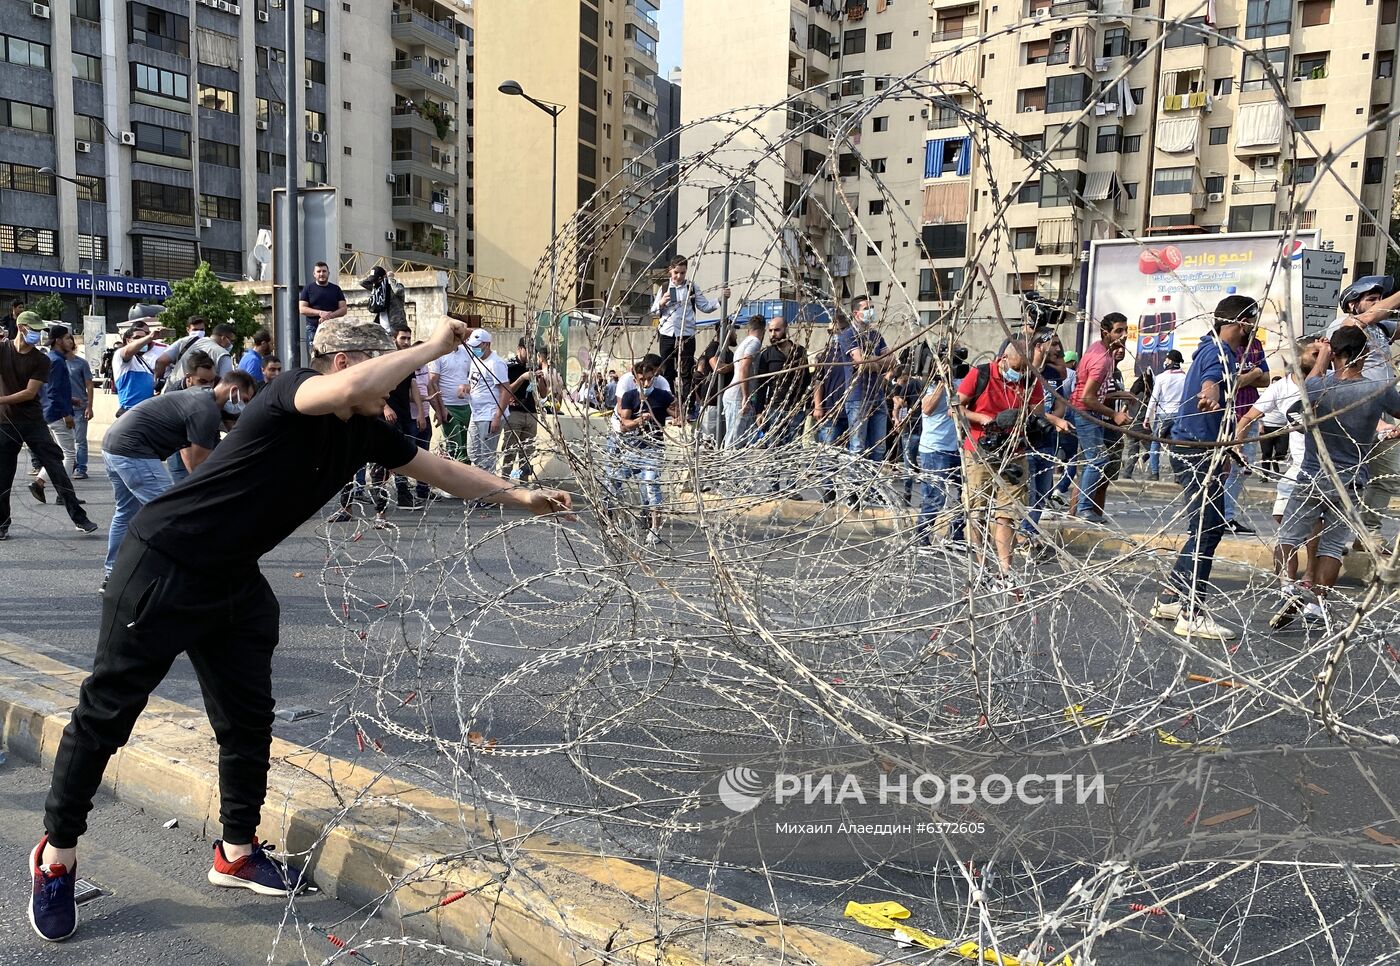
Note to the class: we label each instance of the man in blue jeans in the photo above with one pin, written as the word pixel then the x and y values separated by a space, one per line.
pixel 939 463
pixel 1090 406
pixel 867 417
pixel 179 423
pixel 1204 423
pixel 320 300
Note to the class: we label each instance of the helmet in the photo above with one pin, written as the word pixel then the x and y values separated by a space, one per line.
pixel 1041 311
pixel 1365 286
pixel 141 311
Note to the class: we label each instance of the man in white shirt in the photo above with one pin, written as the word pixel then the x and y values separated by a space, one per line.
pixel 449 393
pixel 1162 409
pixel 648 363
pixel 490 394
pixel 738 410
pixel 676 305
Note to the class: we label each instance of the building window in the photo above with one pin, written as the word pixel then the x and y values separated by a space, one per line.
pixel 941 284
pixel 1308 118
pixel 1061 190
pixel 217 152
pixel 1310 66
pixel 162 204
pixel 1315 13
pixel 160 83
pixel 25 177
pixel 741 211
pixel 23 240
pixel 884 41
pixel 224 262
pixel 877 206
pixel 853 42
pixel 158 29
pixel 313 172
pixel 315 19
pixel 1252 218
pixel 162 140
pixel 164 257
pixel 1303 171
pixel 1030 99
pixel 944 241
pixel 1036 51
pixel 1132 144
pixel 92 248
pixel 25 53
pixel 218 99
pixel 1220 135
pixel 1255 77
pixel 1267 18
pixel 1169 221
pixel 1059 48
pixel 316 121
pixel 217 206
pixel 268 160
pixel 89 10
pixel 880 124
pixel 1029 193
pixel 1110 139
pixel 1222 86
pixel 1130 189
pixel 851 84
pixel 91 189
pixel 1188 34
pixel 1022 238
pixel 872 288
pixel 1067 93
pixel 315 71
pixel 1115 42
pixel 87 128
pixel 87 68
pixel 26 117
pixel 1374 171
pixel 1215 184
pixel 1172 181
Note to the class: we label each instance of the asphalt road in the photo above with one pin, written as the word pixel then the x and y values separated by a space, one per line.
pixel 419 646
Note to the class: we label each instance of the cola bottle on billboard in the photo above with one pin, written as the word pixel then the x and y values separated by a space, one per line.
pixel 1166 333
pixel 1147 339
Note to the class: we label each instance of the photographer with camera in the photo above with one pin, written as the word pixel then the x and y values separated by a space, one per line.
pixel 1002 402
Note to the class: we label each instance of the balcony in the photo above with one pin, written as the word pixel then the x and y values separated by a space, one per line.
pixel 640 87
pixel 640 48
pixel 1258 186
pixel 408 119
pixel 1196 100
pixel 428 250
pixel 414 75
pixel 640 16
pixel 413 28
pixel 414 208
pixel 640 121
pixel 421 164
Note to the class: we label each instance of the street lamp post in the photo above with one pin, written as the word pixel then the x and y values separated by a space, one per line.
pixel 514 89
pixel 92 341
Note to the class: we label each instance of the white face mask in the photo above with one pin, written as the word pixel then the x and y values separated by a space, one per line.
pixel 235 404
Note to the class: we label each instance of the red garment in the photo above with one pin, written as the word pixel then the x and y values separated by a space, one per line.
pixel 1097 363
pixel 998 396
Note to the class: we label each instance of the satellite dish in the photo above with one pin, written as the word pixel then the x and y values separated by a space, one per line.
pixel 262 255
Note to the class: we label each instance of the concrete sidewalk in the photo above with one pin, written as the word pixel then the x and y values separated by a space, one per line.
pixel 551 903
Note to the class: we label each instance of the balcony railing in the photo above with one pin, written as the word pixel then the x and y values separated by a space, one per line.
pixel 644 16
pixel 953 33
pixel 425 159
pixel 407 18
pixel 1258 186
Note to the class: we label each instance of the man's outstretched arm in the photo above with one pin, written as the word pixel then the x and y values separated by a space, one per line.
pixel 371 381
pixel 469 483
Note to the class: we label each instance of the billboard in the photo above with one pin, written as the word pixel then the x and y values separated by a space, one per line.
pixel 1167 286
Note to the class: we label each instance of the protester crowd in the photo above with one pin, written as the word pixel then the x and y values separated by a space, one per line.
pixel 985 454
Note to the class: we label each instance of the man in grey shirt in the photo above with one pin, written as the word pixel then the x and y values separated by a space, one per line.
pixel 174 363
pixel 183 425
pixel 1346 407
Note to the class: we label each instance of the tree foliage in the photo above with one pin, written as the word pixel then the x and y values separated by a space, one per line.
pixel 203 294
pixel 49 307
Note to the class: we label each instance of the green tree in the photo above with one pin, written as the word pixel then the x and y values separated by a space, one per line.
pixel 203 294
pixel 49 307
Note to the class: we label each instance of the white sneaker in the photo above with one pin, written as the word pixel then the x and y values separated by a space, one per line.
pixel 1203 625
pixel 652 538
pixel 1315 616
pixel 1166 610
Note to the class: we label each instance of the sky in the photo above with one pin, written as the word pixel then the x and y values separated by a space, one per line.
pixel 669 52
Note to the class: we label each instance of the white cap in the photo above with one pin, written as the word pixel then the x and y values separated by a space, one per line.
pixel 479 337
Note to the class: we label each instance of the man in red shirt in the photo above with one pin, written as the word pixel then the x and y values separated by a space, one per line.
pixel 994 452
pixel 1092 413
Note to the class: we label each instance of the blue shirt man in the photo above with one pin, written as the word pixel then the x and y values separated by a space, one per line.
pixel 1216 364
pixel 57 397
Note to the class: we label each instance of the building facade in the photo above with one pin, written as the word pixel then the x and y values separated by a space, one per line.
pixel 598 59
pixel 168 117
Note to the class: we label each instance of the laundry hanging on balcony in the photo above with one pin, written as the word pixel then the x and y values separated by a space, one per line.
pixel 1176 135
pixel 1082 51
pixel 957 67
pixel 1258 125
pixel 945 204
pixel 1127 107
pixel 940 153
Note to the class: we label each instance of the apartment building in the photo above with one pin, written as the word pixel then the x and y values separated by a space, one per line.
pixel 597 58
pixel 168 117
pixel 1190 137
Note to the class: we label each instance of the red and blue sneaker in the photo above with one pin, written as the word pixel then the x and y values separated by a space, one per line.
pixel 53 912
pixel 257 870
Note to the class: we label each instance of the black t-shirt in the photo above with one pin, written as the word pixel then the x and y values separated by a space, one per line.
pixel 400 400
pixel 165 424
pixel 658 403
pixel 716 384
pixel 11 326
pixel 784 381
pixel 525 399
pixel 289 463
pixel 17 369
pixel 326 297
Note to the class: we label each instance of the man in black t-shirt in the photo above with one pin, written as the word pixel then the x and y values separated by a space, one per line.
pixel 185 581
pixel 719 366
pixel 320 301
pixel 522 419
pixel 24 370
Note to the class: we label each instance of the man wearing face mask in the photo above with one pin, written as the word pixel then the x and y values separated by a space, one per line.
pixel 1090 400
pixel 24 370
pixel 184 425
pixel 168 594
pixel 133 371
pixel 867 419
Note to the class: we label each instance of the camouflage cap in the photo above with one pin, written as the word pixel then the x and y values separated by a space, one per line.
pixel 344 335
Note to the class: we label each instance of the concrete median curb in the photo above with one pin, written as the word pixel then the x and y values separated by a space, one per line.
pixel 527 896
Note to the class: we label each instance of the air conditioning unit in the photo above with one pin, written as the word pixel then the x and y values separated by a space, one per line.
pixel 1030 110
pixel 222 5
pixel 235 9
pixel 390 178
pixel 262 16
pixel 128 138
pixel 308 83
pixel 440 77
pixel 389 236
pixel 84 147
pixel 261 125
pixel 1215 197
pixel 40 10
pixel 1267 161
pixel 317 137
pixel 1046 271
pixel 207 222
